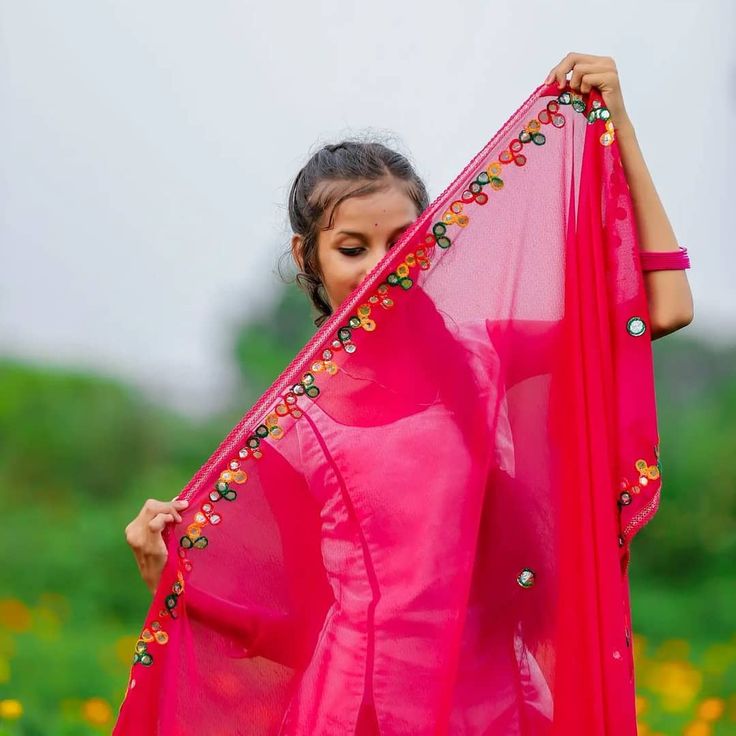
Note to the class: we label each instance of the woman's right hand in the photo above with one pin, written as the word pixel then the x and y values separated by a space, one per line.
pixel 144 535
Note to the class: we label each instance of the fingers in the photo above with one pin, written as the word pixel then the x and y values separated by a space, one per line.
pixel 151 520
pixel 152 507
pixel 579 71
pixel 594 80
pixel 571 62
pixel 157 524
pixel 559 71
pixel 557 75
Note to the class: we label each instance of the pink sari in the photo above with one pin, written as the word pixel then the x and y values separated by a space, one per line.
pixel 423 525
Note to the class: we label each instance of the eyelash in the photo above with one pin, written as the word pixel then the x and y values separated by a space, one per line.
pixel 350 252
pixel 353 252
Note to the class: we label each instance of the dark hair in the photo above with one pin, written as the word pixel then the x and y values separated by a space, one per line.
pixel 324 182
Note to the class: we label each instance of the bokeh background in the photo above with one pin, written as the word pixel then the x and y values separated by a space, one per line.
pixel 147 150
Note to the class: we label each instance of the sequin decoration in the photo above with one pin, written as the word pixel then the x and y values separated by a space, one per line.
pixel 646 472
pixel 574 99
pixel 454 215
pixel 207 514
pixel 513 153
pixel 222 490
pixel 326 363
pixel 439 230
pixel 172 599
pixel 599 112
pixel 141 654
pixel 531 133
pixel 526 578
pixel 636 326
pixel 194 538
pixel 154 633
pixel 551 114
pixel 494 170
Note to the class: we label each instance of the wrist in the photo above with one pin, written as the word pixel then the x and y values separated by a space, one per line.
pixel 625 129
pixel 151 568
pixel 152 582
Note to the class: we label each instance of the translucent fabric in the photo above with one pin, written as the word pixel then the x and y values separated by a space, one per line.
pixel 423 525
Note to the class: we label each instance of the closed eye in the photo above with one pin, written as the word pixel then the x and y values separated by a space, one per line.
pixel 358 250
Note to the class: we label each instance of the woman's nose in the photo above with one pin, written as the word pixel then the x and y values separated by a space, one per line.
pixel 376 256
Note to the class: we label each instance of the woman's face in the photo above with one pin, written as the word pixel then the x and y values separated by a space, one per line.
pixel 364 228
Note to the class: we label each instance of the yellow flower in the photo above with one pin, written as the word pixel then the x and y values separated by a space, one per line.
pixel 641 704
pixel 14 615
pixel 10 709
pixel 677 684
pixel 698 728
pixel 96 711
pixel 711 709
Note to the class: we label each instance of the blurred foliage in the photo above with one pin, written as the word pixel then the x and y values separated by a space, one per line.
pixel 79 454
pixel 266 343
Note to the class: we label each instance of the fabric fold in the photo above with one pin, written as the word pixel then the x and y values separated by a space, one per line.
pixel 423 525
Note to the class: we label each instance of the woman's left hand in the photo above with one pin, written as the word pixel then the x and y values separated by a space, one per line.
pixel 590 71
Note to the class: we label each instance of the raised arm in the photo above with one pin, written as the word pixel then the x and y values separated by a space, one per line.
pixel 668 292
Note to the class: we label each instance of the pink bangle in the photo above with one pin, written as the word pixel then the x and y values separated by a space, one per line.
pixel 664 260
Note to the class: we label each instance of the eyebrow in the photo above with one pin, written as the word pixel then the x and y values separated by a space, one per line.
pixel 357 234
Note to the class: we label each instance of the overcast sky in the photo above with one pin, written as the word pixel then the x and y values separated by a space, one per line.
pixel 147 149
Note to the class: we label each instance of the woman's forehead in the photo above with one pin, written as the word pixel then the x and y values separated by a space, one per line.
pixel 385 208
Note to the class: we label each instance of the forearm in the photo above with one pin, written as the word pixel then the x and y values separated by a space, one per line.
pixel 668 292
pixel 251 630
pixel 513 340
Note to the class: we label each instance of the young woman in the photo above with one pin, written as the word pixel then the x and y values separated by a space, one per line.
pixel 352 201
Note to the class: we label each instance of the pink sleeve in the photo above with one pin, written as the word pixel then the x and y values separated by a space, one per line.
pixel 271 630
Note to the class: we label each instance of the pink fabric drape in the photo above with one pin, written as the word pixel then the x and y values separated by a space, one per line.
pixel 423 525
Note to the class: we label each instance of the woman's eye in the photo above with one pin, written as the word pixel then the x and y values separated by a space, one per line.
pixel 351 251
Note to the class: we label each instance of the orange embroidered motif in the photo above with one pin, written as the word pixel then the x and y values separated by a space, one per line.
pixel 599 112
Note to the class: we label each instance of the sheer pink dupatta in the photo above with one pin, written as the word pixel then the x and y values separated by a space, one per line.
pixel 423 525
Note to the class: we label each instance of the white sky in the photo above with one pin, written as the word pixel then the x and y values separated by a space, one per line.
pixel 147 149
